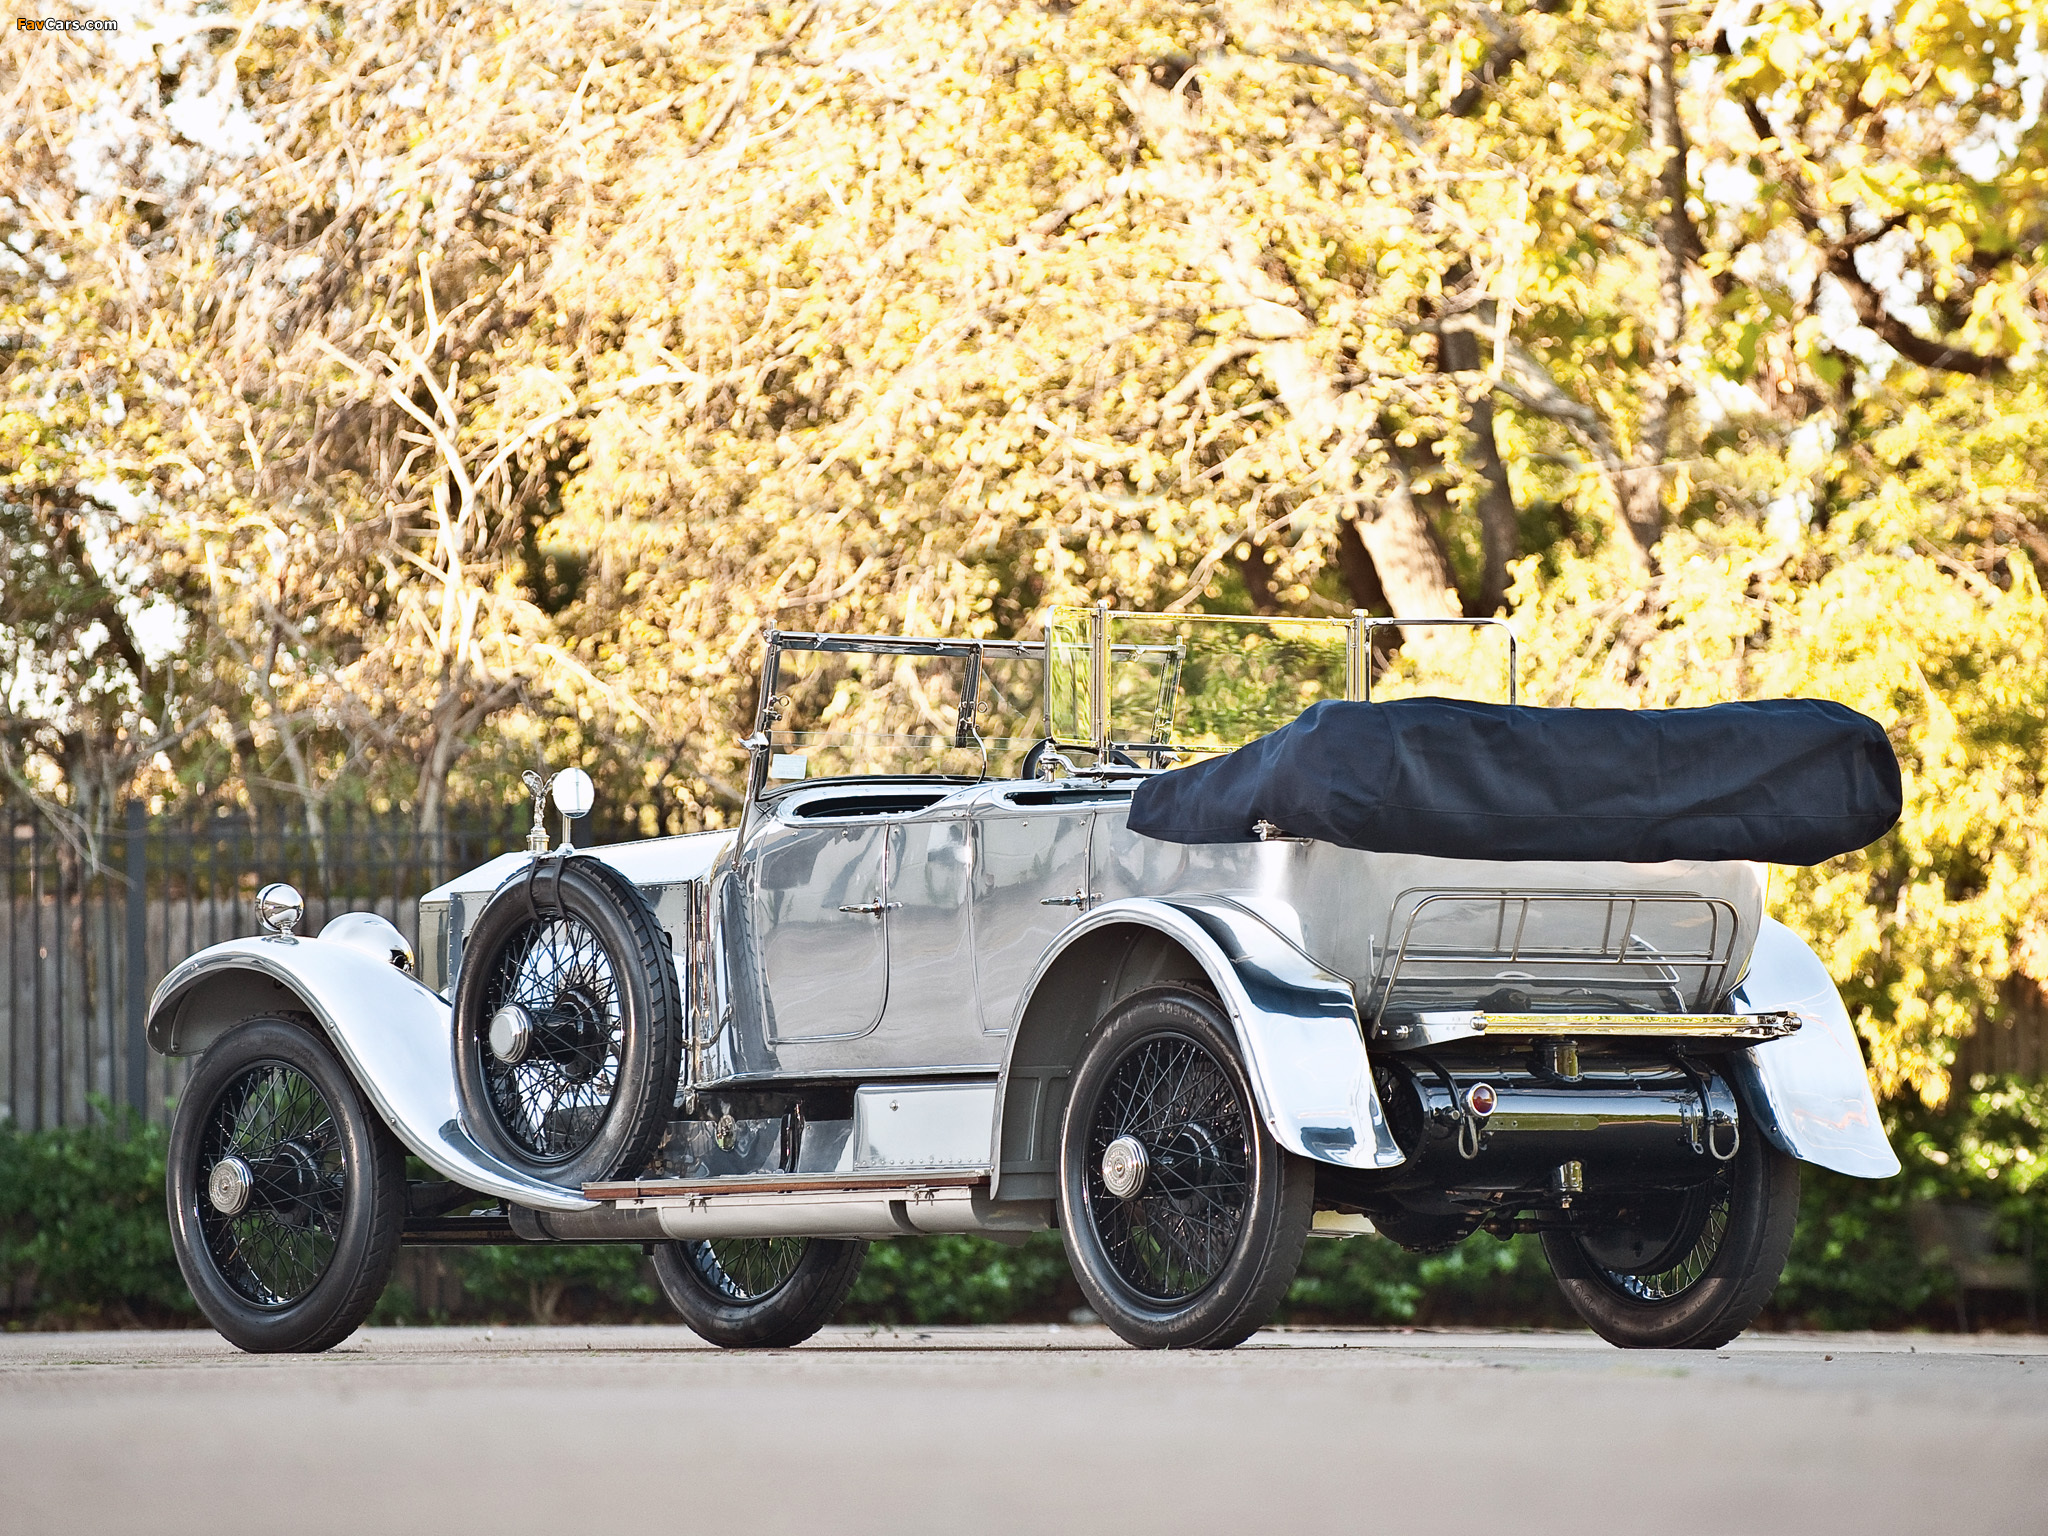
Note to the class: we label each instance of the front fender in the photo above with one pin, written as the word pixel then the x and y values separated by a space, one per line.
pixel 392 1031
pixel 1809 1088
pixel 1296 1024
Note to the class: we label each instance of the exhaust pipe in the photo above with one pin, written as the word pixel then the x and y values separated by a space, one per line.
pixel 1503 1125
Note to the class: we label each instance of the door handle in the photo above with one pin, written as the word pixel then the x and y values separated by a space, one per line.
pixel 1081 899
pixel 873 908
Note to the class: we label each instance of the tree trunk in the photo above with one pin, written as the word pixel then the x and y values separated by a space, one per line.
pixel 1408 556
pixel 1641 485
pixel 1354 564
pixel 1258 581
pixel 1414 571
pixel 1500 529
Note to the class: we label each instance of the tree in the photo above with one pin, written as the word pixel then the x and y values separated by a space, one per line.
pixel 486 389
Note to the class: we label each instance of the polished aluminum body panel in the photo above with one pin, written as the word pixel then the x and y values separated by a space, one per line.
pixel 393 1032
pixel 1809 1089
pixel 930 1017
pixel 1352 910
pixel 1026 856
pixel 921 1125
pixel 818 928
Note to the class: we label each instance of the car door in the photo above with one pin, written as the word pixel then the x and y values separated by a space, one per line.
pixel 820 929
pixel 1030 881
pixel 931 1019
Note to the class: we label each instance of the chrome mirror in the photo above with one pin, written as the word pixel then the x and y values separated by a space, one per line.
pixel 280 909
pixel 573 792
pixel 573 796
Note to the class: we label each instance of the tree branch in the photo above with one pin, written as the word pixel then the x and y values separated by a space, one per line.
pixel 1839 258
pixel 1898 335
pixel 1507 51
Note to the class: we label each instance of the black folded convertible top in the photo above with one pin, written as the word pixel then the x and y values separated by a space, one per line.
pixel 1783 781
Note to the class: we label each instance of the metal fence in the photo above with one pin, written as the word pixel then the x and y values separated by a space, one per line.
pixel 85 939
pixel 83 942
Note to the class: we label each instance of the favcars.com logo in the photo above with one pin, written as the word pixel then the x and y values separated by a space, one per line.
pixel 59 24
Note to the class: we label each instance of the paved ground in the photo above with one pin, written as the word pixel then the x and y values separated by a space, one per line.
pixel 1020 1429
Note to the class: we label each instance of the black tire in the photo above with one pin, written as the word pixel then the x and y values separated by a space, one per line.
pixel 299 1265
pixel 1690 1271
pixel 758 1292
pixel 573 942
pixel 1200 1253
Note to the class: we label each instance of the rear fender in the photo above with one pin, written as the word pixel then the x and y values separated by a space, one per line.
pixel 1296 1024
pixel 395 1035
pixel 1808 1090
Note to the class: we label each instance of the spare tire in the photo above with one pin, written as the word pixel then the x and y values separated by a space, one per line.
pixel 568 1023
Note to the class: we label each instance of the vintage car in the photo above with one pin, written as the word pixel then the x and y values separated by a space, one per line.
pixel 932 982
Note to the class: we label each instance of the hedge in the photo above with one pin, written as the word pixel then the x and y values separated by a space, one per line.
pixel 84 1243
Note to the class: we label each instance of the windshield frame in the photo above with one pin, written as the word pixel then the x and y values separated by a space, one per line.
pixel 1361 631
pixel 767 708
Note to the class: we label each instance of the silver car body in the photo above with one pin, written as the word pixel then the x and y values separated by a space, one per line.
pixel 942 950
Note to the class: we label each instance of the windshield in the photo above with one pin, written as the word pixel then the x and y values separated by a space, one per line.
pixel 839 706
pixel 1180 684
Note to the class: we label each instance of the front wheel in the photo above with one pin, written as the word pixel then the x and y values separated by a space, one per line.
pixel 1685 1270
pixel 287 1193
pixel 1184 1220
pixel 758 1292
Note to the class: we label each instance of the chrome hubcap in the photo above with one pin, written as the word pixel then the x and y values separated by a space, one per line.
pixel 1124 1165
pixel 228 1186
pixel 511 1034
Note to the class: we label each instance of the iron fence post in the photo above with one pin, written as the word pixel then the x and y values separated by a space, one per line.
pixel 138 959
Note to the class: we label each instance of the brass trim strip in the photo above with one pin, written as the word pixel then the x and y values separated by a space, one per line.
pixel 1736 1026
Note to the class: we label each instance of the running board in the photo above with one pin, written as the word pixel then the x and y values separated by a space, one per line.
pixel 667 1191
pixel 890 1204
pixel 1729 1029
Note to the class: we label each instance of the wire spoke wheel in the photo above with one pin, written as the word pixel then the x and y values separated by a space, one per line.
pixel 281 1129
pixel 568 1022
pixel 1183 1218
pixel 1683 1270
pixel 1672 1282
pixel 758 1292
pixel 552 1102
pixel 286 1192
pixel 1174 1235
pixel 748 1269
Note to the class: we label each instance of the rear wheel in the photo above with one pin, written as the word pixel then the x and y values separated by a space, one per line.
pixel 758 1292
pixel 1686 1270
pixel 1184 1220
pixel 286 1193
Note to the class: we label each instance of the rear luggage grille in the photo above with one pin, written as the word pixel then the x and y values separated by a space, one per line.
pixel 1519 952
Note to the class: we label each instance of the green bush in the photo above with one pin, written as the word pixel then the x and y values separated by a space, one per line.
pixel 83 1230
pixel 957 1279
pixel 84 1242
pixel 545 1285
pixel 1854 1263
pixel 1480 1283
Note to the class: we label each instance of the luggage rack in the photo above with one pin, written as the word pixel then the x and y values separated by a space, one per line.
pixel 1519 947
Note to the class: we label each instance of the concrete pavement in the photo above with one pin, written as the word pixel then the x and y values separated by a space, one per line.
pixel 1020 1429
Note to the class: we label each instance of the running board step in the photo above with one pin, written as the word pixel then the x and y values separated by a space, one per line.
pixel 886 1204
pixel 1700 1028
pixel 666 1191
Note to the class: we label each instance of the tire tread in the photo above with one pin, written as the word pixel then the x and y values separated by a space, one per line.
pixel 826 1276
